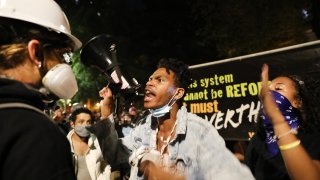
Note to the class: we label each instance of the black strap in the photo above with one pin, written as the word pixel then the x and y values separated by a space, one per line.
pixel 22 105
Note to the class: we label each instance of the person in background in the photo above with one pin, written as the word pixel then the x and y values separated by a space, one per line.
pixel 133 112
pixel 96 116
pixel 59 117
pixel 169 142
pixel 126 119
pixel 34 36
pixel 88 161
pixel 126 124
pixel 286 145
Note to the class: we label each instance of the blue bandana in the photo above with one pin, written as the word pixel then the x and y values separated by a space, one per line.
pixel 290 114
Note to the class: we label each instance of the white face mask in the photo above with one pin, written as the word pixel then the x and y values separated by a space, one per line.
pixel 82 131
pixel 61 81
pixel 160 112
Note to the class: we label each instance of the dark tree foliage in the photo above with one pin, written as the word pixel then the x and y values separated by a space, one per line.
pixel 190 30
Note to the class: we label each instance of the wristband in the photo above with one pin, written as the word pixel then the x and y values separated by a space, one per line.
pixel 290 145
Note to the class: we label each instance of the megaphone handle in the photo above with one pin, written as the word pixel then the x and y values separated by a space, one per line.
pixel 114 56
pixel 116 104
pixel 112 66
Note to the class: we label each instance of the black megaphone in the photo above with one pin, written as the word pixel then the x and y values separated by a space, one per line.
pixel 100 52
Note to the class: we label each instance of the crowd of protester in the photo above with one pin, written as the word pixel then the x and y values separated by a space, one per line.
pixel 163 142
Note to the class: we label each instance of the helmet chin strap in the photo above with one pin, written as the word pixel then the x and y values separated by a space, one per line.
pixel 47 96
pixel 43 71
pixel 40 56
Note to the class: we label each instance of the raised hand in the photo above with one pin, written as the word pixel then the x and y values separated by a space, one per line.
pixel 268 102
pixel 106 104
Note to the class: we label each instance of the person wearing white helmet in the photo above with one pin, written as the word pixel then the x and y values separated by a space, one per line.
pixel 35 42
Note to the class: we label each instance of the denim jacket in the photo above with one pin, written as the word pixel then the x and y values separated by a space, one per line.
pixel 197 150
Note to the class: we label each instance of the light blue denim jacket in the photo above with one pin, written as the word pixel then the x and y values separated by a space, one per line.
pixel 197 149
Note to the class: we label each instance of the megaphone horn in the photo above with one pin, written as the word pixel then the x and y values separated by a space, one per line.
pixel 100 52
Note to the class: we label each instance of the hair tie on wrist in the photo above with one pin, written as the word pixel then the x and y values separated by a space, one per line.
pixel 291 131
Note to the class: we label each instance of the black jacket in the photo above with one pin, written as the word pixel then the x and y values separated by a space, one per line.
pixel 31 145
pixel 264 167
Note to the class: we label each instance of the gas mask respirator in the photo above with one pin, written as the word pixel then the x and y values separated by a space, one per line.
pixel 61 81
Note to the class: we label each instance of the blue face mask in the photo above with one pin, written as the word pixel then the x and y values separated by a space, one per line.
pixel 290 114
pixel 160 112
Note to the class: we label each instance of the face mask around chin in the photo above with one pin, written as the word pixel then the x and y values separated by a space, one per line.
pixel 61 81
pixel 82 131
pixel 160 112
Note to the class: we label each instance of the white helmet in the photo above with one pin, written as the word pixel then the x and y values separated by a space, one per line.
pixel 46 13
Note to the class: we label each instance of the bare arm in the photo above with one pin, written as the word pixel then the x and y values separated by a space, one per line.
pixel 298 162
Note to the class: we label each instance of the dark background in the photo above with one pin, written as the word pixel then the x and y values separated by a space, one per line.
pixel 193 31
pixel 302 60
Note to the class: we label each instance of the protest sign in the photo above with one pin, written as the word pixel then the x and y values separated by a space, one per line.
pixel 225 92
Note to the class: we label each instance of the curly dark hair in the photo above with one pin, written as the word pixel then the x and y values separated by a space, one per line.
pixel 74 114
pixel 182 74
pixel 308 90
